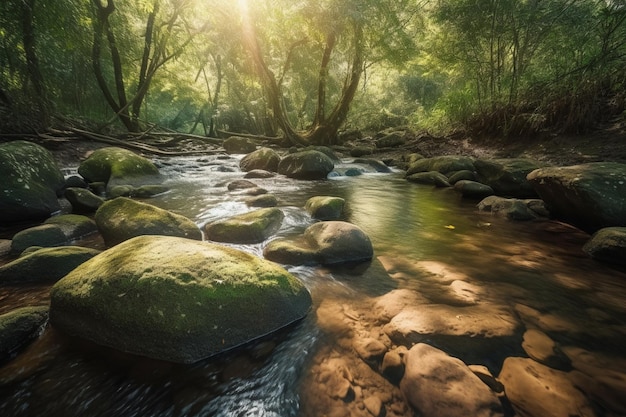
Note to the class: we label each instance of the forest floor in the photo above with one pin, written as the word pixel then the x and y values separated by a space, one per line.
pixel 605 144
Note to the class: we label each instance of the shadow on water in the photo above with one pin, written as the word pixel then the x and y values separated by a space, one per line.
pixel 428 243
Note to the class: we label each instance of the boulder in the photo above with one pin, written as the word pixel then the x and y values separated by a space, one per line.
pixel 589 196
pixel 513 208
pixel 122 218
pixel 306 165
pixel 429 178
pixel 55 231
pixel 375 164
pixel 263 200
pixel 264 158
pixel 536 390
pixel 507 177
pixel 391 140
pixel 608 245
pixel 260 173
pixel 239 145
pixel 82 200
pixel 20 326
pixel 461 175
pixel 176 299
pixel 444 164
pixel 472 189
pixel 31 182
pixel 437 384
pixel 328 243
pixel 326 151
pixel 119 167
pixel 540 347
pixel 325 207
pixel 359 151
pixel 252 227
pixel 45 264
pixel 240 185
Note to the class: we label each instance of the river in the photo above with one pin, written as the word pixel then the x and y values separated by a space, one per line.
pixel 424 239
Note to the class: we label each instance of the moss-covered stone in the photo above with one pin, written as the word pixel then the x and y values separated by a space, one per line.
pixel 608 245
pixel 55 231
pixel 45 264
pixel 176 299
pixel 83 200
pixel 507 177
pixel 117 166
pixel 122 218
pixel 239 145
pixel 251 227
pixel 429 178
pixel 31 182
pixel 18 327
pixel 263 200
pixel 444 164
pixel 473 189
pixel 325 207
pixel 306 165
pixel 328 243
pixel 264 158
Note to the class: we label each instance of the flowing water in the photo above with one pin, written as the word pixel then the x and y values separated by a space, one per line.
pixel 424 239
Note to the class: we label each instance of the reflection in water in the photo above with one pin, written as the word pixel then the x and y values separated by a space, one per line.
pixel 436 258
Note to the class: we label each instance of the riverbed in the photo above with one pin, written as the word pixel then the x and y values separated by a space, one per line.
pixel 424 238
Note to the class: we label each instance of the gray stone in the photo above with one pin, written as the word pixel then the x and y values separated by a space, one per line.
pixel 176 299
pixel 263 200
pixel 306 165
pixel 260 173
pixel 240 185
pixel 264 158
pixel 82 200
pixel 510 208
pixel 472 189
pixel 31 182
pixel 239 145
pixel 436 384
pixel 589 196
pixel 122 218
pixel 507 177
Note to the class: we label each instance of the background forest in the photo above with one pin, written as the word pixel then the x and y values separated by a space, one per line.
pixel 308 68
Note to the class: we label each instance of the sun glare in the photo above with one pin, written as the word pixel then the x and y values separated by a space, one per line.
pixel 243 7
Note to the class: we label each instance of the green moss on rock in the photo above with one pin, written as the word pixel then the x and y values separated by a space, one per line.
pixel 251 227
pixel 325 207
pixel 176 299
pixel 20 326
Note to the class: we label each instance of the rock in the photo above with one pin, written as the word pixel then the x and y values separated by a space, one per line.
pixel 176 299
pixel 443 164
pixel 45 264
pixel 608 245
pixel 5 246
pixel 122 218
pixel 328 243
pixel 589 196
pixel 55 231
pixel 255 191
pixel 325 207
pixel 150 190
pixel 391 140
pixel 239 145
pixel 436 384
pixel 75 181
pixel 536 390
pixel 510 208
pixel 82 200
pixel 264 158
pixel 359 151
pixel 392 367
pixel 306 165
pixel 370 350
pixel 473 189
pixel 260 173
pixel 478 329
pixel 483 373
pixel 31 182
pixel 507 177
pixel 119 167
pixel 375 406
pixel 326 151
pixel 429 178
pixel 240 185
pixel 263 200
pixel 377 165
pixel 461 175
pixel 20 326
pixel 252 227
pixel 544 350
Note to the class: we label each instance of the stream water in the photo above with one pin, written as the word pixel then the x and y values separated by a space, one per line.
pixel 424 238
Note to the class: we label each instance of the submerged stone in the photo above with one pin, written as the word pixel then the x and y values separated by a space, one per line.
pixel 176 299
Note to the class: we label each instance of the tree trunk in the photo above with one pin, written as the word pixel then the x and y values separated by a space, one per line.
pixel 32 61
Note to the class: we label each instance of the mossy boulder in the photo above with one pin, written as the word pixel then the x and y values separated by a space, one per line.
pixel 429 178
pixel 513 208
pixel 473 189
pixel 589 196
pixel 391 140
pixel 31 182
pixel 306 165
pixel 239 145
pixel 20 326
pixel 265 159
pixel 122 218
pixel 82 200
pixel 325 207
pixel 507 177
pixel 608 245
pixel 263 200
pixel 327 243
pixel 119 167
pixel 176 299
pixel 444 164
pixel 55 231
pixel 252 227
pixel 45 264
